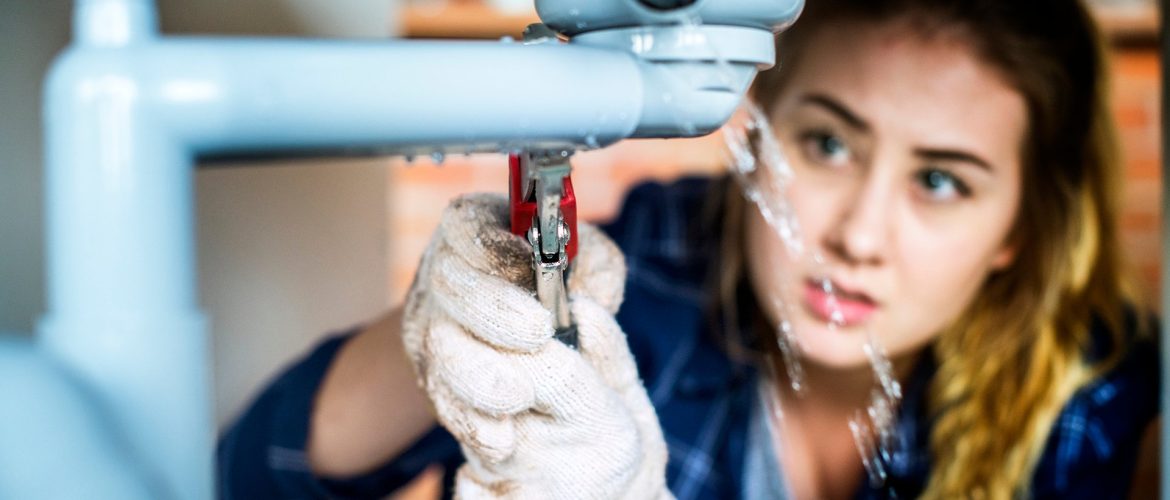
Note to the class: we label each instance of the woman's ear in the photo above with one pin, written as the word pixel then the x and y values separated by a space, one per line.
pixel 1004 257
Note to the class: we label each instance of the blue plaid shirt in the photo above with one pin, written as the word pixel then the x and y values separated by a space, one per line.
pixel 704 400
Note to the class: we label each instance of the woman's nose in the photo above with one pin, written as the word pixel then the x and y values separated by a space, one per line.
pixel 859 235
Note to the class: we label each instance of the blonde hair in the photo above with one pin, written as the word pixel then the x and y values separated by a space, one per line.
pixel 1020 350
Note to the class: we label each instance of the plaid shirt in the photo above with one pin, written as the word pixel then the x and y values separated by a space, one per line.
pixel 703 399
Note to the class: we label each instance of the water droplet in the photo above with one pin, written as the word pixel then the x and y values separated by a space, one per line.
pixel 409 159
pixel 507 39
pixel 763 173
pixel 863 439
pixel 883 370
pixel 875 430
pixel 836 317
pixel 582 25
pixel 574 12
pixel 789 350
pixel 438 157
pixel 591 142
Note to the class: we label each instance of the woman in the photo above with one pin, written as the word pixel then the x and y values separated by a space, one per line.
pixel 956 182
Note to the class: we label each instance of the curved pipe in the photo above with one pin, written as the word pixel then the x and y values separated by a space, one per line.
pixel 124 125
pixel 53 444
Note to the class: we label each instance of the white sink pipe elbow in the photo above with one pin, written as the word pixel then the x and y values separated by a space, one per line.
pixel 54 442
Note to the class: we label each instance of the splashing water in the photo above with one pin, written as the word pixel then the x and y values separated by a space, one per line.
pixel 789 348
pixel 758 165
pixel 790 351
pixel 882 368
pixel 863 437
pixel 762 171
pixel 764 175
pixel 874 431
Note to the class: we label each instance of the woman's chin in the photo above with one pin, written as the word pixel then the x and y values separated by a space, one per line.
pixel 832 347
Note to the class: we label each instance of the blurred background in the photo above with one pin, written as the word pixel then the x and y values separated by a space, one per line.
pixel 290 251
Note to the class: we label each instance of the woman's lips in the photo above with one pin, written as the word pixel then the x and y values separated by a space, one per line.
pixel 832 304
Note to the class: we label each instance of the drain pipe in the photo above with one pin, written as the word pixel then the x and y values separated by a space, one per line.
pixel 122 315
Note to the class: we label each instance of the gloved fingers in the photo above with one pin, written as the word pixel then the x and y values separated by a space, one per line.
pixel 599 270
pixel 494 310
pixel 651 478
pixel 649 484
pixel 581 460
pixel 650 481
pixel 490 438
pixel 646 419
pixel 479 375
pixel 469 486
pixel 416 312
pixel 473 482
pixel 603 344
pixel 569 390
pixel 477 228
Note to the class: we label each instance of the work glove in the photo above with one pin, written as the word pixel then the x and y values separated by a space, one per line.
pixel 535 419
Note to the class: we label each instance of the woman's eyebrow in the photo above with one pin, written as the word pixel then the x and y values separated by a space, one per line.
pixel 837 108
pixel 952 155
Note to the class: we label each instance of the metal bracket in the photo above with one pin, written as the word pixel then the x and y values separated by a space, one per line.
pixel 543 177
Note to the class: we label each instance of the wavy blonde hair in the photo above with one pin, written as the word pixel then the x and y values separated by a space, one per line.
pixel 1019 351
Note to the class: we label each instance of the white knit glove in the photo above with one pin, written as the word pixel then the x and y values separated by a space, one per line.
pixel 535 419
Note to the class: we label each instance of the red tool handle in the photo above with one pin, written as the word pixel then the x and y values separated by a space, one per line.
pixel 524 210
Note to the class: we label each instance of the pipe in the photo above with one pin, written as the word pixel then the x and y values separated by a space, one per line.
pixel 114 23
pixel 56 444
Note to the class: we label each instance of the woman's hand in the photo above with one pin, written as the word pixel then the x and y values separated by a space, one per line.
pixel 535 418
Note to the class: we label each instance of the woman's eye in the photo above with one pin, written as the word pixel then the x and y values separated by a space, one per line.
pixel 940 185
pixel 825 148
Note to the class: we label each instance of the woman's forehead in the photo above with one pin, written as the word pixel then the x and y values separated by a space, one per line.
pixel 906 86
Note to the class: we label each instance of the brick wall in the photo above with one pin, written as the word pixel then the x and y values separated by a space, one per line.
pixel 1137 107
pixel 419 191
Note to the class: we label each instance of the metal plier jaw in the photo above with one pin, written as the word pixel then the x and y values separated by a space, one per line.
pixel 544 209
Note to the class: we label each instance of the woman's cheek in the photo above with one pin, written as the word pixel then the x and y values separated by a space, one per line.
pixel 815 205
pixel 939 279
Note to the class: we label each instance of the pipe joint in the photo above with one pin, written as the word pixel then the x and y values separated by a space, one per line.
pixel 114 23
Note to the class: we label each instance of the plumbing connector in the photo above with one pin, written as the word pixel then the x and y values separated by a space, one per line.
pixel 696 57
pixel 573 17
pixel 693 76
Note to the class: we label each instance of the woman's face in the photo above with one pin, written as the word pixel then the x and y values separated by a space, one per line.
pixel 907 154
